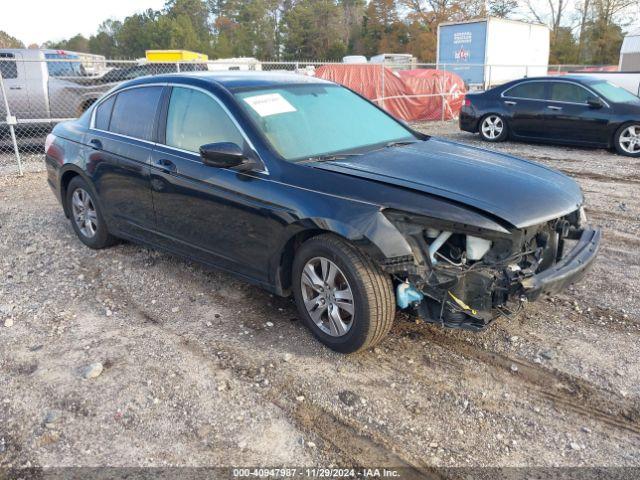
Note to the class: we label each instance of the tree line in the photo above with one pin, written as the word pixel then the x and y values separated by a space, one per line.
pixel 582 31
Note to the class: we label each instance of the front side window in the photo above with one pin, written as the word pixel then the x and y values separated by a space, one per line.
pixel 195 119
pixel 528 90
pixel 569 92
pixel 134 112
pixel 303 121
pixel 8 66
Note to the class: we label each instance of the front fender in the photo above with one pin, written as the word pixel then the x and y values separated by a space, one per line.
pixel 368 229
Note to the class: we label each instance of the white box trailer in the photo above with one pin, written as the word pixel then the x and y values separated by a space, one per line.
pixel 492 51
pixel 630 53
pixel 630 81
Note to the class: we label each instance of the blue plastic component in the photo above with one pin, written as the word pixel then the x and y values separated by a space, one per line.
pixel 406 294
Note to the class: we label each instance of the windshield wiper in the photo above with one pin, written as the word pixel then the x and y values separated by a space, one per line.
pixel 328 158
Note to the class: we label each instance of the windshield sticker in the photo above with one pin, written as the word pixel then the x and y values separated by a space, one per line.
pixel 269 104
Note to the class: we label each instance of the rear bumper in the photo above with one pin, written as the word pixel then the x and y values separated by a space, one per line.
pixel 568 270
pixel 467 120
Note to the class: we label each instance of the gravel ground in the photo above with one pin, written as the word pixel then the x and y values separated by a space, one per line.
pixel 197 368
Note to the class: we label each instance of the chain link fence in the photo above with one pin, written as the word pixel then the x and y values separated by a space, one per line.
pixel 36 93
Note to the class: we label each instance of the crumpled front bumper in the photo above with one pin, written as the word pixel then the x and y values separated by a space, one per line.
pixel 568 270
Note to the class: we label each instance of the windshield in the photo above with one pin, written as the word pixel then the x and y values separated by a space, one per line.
pixel 613 92
pixel 304 121
pixel 58 68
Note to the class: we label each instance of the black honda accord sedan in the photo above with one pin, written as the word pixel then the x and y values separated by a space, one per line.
pixel 571 110
pixel 302 187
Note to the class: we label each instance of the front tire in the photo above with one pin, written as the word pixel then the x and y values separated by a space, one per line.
pixel 627 140
pixel 493 128
pixel 86 215
pixel 341 295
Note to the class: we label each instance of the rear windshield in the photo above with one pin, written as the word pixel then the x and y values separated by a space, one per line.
pixel 57 67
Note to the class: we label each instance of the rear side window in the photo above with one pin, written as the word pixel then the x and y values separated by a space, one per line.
pixel 103 113
pixel 134 112
pixel 64 65
pixel 531 90
pixel 195 119
pixel 570 92
pixel 8 67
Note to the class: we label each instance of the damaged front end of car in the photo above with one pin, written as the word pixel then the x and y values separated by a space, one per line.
pixel 463 275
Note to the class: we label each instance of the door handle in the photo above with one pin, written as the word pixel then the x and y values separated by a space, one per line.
pixel 167 166
pixel 553 107
pixel 95 144
pixel 509 102
pixel 15 88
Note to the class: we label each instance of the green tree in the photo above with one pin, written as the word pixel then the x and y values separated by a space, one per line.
pixel 382 30
pixel 7 41
pixel 247 28
pixel 502 8
pixel 564 48
pixel 312 30
pixel 104 41
pixel 602 36
pixel 352 20
pixel 77 43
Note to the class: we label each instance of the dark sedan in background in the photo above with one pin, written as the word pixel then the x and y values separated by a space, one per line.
pixel 303 187
pixel 571 110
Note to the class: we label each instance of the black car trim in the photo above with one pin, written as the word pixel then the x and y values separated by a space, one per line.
pixel 264 170
pixel 502 94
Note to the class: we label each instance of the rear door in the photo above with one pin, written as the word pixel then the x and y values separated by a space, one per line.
pixel 121 142
pixel 15 85
pixel 525 103
pixel 572 118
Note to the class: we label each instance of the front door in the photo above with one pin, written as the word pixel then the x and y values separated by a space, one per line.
pixel 571 118
pixel 15 86
pixel 214 214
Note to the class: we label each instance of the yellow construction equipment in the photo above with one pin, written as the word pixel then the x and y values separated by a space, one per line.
pixel 175 56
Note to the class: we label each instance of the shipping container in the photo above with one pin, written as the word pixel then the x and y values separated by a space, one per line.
pixel 492 51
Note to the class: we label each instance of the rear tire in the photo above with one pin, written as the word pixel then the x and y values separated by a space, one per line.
pixel 373 301
pixel 493 128
pixel 86 215
pixel 627 140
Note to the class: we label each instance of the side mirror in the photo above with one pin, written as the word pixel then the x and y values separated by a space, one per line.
pixel 223 155
pixel 595 103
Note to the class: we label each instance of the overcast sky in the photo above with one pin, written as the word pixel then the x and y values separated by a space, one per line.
pixel 36 21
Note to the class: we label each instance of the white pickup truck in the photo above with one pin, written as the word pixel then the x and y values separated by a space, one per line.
pixel 44 86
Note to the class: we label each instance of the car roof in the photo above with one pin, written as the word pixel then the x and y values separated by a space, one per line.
pixel 574 77
pixel 234 79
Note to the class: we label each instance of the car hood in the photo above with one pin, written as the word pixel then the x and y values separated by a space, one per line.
pixel 518 191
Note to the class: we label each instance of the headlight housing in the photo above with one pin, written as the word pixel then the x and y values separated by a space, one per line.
pixel 436 241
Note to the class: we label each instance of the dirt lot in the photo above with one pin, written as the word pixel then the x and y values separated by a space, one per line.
pixel 202 369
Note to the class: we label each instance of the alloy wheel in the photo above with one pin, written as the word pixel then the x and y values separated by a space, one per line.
pixel 630 139
pixel 84 212
pixel 327 296
pixel 492 127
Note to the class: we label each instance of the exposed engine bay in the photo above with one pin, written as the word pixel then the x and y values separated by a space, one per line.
pixel 463 276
